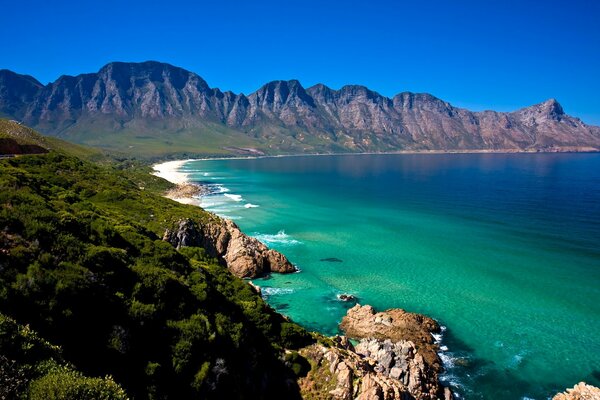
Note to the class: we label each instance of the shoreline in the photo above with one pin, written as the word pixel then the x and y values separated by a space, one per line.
pixel 169 171
pixel 570 150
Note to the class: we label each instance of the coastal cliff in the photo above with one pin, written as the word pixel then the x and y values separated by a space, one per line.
pixel 244 256
pixel 396 362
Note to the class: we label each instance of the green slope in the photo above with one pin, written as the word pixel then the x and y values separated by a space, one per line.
pixel 82 263
pixel 25 136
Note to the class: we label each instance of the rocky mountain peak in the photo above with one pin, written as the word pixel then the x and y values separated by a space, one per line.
pixel 150 71
pixel 163 99
pixel 16 91
pixel 275 94
pixel 549 110
pixel 552 107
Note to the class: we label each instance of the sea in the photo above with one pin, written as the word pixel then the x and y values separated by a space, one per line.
pixel 502 249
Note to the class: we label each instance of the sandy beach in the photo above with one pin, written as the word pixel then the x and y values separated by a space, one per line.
pixel 170 171
pixel 184 192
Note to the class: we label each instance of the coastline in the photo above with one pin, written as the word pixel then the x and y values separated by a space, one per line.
pixel 178 163
pixel 184 192
pixel 171 170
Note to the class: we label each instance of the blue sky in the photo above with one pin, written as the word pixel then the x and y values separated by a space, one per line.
pixel 477 54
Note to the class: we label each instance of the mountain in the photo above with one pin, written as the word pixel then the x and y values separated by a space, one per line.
pixel 157 108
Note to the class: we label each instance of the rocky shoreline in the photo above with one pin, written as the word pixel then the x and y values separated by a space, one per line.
pixel 395 359
pixel 395 355
pixel 187 190
pixel 244 256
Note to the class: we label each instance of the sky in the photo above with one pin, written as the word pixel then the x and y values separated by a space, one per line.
pixel 486 54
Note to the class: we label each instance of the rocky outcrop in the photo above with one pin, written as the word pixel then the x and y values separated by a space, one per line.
pixel 161 101
pixel 581 391
pixel 385 365
pixel 187 190
pixel 396 325
pixel 244 256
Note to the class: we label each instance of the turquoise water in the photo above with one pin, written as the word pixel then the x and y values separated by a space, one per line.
pixel 504 250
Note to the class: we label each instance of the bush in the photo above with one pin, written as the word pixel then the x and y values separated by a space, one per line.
pixel 65 384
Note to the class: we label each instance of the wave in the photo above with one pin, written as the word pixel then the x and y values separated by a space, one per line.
pixel 281 238
pixel 250 205
pixel 234 197
pixel 273 291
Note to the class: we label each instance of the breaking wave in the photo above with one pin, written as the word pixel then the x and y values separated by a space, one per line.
pixel 280 238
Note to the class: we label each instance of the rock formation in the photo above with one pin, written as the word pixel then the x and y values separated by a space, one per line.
pixel 159 100
pixel 379 367
pixel 396 325
pixel 245 256
pixel 581 391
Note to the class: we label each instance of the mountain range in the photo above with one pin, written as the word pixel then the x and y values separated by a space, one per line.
pixel 155 108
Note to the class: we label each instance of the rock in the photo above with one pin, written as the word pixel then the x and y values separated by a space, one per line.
pixel 396 325
pixel 186 234
pixel 187 190
pixel 256 288
pixel 245 256
pixel 401 346
pixel 344 388
pixel 346 297
pixel 581 391
pixel 373 371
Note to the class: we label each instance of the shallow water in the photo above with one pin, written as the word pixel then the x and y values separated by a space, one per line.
pixel 503 249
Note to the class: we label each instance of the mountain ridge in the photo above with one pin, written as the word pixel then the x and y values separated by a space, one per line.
pixel 133 104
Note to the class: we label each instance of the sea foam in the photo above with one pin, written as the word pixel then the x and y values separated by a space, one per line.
pixel 273 291
pixel 234 197
pixel 281 238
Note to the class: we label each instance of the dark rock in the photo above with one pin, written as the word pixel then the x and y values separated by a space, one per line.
pixel 346 297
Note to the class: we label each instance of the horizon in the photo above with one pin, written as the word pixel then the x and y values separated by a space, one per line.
pixel 500 57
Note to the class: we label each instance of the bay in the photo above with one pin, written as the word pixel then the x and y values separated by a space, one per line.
pixel 502 249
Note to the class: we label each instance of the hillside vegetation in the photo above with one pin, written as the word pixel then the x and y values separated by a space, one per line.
pixel 94 305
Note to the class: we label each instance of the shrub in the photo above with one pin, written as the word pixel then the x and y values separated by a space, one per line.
pixel 65 384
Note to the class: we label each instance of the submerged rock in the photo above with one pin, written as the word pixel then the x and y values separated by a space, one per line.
pixel 245 256
pixel 581 391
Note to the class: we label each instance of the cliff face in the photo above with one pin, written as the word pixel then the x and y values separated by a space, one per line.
pixel 246 257
pixel 281 116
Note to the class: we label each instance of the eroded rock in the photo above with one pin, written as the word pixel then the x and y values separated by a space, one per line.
pixel 245 256
pixel 395 325
pixel 387 363
pixel 581 391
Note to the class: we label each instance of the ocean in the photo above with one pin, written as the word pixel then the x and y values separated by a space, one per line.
pixel 502 249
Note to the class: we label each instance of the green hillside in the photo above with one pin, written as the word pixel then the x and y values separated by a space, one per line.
pixel 22 135
pixel 86 279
